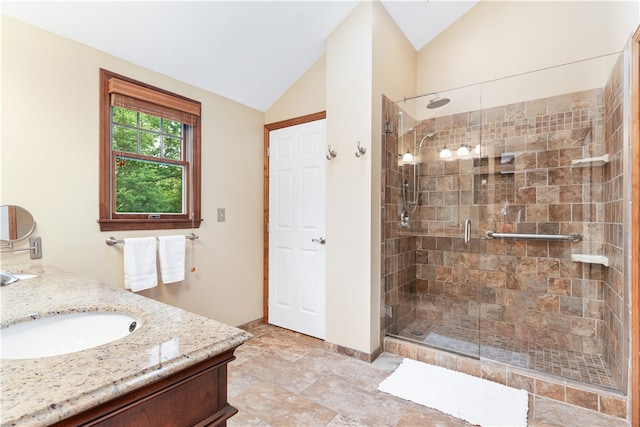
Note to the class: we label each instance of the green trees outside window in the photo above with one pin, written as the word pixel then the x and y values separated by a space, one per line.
pixel 147 184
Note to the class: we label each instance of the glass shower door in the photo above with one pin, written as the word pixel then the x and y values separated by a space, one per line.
pixel 436 216
pixel 536 154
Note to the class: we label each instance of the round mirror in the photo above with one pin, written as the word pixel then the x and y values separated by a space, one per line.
pixel 16 223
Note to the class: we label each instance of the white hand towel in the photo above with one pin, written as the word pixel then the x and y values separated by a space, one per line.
pixel 140 271
pixel 171 253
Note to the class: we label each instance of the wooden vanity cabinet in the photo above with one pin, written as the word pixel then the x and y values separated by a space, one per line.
pixel 196 396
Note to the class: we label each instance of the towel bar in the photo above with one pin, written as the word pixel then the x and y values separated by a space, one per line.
pixel 112 240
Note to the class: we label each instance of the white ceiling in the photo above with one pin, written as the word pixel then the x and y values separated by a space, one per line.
pixel 248 51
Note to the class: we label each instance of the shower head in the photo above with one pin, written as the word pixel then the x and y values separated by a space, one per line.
pixel 437 102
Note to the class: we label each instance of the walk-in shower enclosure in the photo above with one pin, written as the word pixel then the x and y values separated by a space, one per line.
pixel 542 153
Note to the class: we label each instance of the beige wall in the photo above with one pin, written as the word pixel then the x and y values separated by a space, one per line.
pixel 305 96
pixel 349 181
pixel 496 39
pixel 49 165
pixel 621 20
pixel 394 75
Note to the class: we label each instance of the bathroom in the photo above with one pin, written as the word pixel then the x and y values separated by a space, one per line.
pixel 228 255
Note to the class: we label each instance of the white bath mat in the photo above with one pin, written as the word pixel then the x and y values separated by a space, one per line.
pixel 463 396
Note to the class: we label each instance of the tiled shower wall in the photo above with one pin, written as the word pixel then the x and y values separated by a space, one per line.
pixel 398 251
pixel 523 182
pixel 614 310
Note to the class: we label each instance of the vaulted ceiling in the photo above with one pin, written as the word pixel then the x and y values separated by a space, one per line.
pixel 248 51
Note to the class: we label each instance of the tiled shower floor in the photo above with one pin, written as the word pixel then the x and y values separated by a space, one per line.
pixel 587 368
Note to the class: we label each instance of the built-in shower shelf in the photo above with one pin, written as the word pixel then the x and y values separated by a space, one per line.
pixel 591 161
pixel 590 259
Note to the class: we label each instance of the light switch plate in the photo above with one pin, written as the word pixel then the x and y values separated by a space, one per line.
pixel 221 215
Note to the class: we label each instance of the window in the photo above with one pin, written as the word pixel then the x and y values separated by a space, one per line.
pixel 149 157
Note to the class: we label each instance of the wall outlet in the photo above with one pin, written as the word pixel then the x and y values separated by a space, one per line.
pixel 221 215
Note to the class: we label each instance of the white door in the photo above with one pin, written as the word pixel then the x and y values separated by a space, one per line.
pixel 296 228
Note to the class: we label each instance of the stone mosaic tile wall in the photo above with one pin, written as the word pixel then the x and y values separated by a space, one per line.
pixel 523 183
pixel 398 249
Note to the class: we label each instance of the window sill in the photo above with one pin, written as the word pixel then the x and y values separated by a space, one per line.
pixel 145 224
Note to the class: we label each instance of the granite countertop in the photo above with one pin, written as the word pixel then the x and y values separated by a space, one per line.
pixel 46 390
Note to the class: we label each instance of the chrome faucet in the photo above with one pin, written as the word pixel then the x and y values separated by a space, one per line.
pixel 8 278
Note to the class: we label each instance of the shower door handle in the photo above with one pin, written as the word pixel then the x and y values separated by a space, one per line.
pixel 321 240
pixel 467 231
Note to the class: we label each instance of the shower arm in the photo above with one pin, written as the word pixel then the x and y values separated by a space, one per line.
pixel 409 98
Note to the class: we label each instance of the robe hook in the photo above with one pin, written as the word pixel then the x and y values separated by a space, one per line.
pixel 361 150
pixel 332 153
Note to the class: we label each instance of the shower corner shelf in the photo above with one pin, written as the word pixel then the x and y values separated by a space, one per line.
pixel 591 161
pixel 590 259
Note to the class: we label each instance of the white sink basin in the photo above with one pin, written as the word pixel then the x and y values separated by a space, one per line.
pixel 64 333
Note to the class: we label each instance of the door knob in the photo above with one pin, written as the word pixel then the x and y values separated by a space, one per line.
pixel 321 240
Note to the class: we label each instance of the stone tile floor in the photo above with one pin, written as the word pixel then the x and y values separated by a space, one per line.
pixel 282 378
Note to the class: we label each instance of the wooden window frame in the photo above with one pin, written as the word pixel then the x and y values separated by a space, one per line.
pixel 115 83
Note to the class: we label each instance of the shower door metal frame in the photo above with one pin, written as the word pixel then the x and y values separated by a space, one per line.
pixel 635 230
